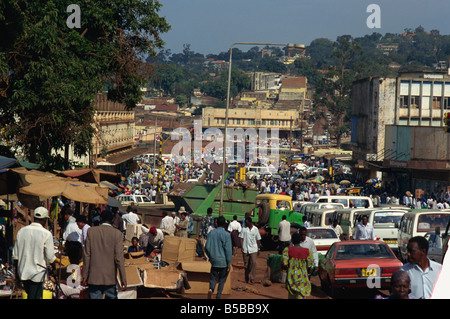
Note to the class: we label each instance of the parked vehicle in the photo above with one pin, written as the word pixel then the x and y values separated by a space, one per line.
pixel 307 208
pixel 347 201
pixel 137 200
pixel 385 222
pixel 357 263
pixel 321 217
pixel 271 208
pixel 323 238
pixel 418 223
pixel 435 251
pixel 346 219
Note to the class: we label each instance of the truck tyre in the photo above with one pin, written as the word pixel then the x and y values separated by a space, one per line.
pixel 263 212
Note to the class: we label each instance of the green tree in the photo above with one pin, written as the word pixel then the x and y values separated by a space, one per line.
pixel 333 93
pixel 54 72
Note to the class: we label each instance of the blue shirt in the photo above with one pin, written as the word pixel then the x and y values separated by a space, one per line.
pixel 218 248
pixel 422 282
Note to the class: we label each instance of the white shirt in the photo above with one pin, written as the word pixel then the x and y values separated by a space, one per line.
pixel 84 234
pixel 284 231
pixel 250 238
pixel 33 247
pixel 72 231
pixel 167 222
pixel 309 243
pixel 131 218
pixel 235 225
pixel 422 282
pixel 364 232
pixel 155 240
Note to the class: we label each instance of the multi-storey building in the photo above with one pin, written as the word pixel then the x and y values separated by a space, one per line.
pixel 397 128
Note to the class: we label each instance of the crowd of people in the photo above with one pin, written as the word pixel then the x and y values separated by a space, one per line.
pixel 218 239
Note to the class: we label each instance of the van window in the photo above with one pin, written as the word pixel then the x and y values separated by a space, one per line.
pixel 329 218
pixel 359 203
pixel 341 201
pixel 387 219
pixel 322 200
pixel 429 222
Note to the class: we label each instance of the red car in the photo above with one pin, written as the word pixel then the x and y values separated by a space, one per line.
pixel 357 263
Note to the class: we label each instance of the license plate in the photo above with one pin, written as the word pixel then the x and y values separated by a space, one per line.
pixel 368 272
pixel 390 241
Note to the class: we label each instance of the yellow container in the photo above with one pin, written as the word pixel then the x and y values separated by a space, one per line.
pixel 47 294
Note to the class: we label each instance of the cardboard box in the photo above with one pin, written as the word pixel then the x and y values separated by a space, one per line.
pixel 198 277
pixel 165 278
pixel 178 249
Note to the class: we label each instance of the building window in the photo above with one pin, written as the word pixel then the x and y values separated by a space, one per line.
pixel 404 101
pixel 415 102
pixel 437 102
pixel 447 103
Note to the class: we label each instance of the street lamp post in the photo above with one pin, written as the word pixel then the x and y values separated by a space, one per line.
pixel 291 45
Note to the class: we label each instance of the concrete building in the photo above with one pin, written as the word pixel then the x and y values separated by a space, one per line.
pixel 397 127
pixel 245 118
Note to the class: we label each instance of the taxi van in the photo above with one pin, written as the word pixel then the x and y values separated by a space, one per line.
pixel 321 217
pixel 347 201
pixel 346 219
pixel 385 222
pixel 418 222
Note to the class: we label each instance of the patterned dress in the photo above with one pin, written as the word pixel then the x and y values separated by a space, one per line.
pixel 297 260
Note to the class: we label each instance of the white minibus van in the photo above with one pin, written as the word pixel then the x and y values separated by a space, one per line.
pixel 418 222
pixel 385 222
pixel 347 201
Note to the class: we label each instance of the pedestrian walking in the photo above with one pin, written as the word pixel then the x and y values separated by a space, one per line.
pixel 32 252
pixel 250 243
pixel 103 259
pixel 284 234
pixel 219 251
pixel 298 262
pixel 234 228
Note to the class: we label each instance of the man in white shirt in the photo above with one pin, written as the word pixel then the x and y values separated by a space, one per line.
pixel 167 224
pixel 32 251
pixel 235 228
pixel 131 218
pixel 83 226
pixel 364 230
pixel 422 271
pixel 155 240
pixel 307 242
pixel 250 243
pixel 72 231
pixel 284 234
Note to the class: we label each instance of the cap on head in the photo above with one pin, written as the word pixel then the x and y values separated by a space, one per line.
pixel 41 212
pixel 153 230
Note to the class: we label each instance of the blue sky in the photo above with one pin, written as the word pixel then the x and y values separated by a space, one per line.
pixel 211 26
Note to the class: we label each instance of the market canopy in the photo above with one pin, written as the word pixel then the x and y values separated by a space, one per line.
pixel 75 190
pixel 92 175
pixel 7 162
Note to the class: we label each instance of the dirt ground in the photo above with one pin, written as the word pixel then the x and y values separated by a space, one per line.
pixel 241 290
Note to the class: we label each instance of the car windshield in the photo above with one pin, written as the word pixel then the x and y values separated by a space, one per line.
pixel 387 219
pixel 361 251
pixel 321 233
